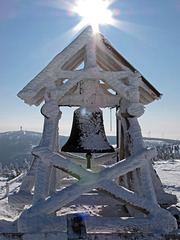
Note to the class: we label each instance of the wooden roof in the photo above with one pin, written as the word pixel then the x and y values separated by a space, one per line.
pixel 64 67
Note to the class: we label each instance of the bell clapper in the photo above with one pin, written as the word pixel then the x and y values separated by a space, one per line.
pixel 88 157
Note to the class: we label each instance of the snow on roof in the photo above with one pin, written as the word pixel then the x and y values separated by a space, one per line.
pixel 110 69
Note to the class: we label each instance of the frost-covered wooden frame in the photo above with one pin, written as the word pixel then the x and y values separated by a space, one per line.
pixel 38 217
pixel 139 188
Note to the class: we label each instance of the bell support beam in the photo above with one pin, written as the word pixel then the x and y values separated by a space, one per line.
pixel 24 196
pixel 79 172
pixel 146 183
pixel 88 181
pixel 45 175
pixel 139 180
pixel 113 79
pixel 133 143
pixel 42 176
pixel 97 162
pixel 90 53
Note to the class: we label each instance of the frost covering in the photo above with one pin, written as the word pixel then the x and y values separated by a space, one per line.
pixel 107 80
pixel 98 54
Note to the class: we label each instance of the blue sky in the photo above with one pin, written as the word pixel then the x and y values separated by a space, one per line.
pixel 32 32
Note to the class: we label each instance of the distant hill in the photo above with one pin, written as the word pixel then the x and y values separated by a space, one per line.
pixel 15 146
pixel 153 142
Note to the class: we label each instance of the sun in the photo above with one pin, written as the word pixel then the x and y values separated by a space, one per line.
pixel 94 13
pixel 91 12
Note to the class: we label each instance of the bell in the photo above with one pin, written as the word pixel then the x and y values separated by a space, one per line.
pixel 87 133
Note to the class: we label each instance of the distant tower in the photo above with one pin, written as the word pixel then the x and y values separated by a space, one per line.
pixel 149 134
pixel 20 128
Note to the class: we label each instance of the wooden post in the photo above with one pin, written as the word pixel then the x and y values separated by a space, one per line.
pixel 117 135
pixel 45 182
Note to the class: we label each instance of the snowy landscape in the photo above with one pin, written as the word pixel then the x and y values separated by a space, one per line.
pixel 168 169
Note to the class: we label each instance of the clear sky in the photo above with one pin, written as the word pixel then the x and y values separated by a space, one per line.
pixel 32 32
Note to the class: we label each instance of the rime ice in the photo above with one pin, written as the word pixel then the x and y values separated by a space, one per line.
pixel 131 181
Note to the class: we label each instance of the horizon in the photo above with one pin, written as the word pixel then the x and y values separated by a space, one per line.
pixel 26 130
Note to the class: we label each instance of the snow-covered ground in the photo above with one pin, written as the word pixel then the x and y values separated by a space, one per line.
pixel 168 171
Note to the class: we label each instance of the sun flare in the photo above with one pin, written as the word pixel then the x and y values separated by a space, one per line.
pixel 94 13
pixel 91 12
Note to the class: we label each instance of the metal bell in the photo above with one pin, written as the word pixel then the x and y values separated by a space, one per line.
pixel 87 133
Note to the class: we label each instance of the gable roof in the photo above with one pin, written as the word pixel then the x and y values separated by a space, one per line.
pixel 63 67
